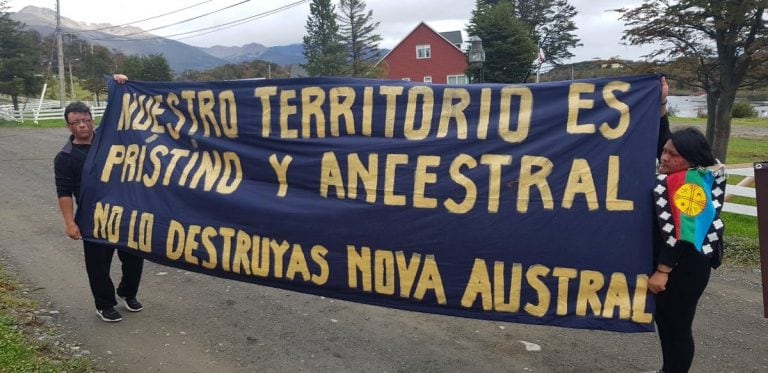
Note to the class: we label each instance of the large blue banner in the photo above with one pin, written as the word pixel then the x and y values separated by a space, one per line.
pixel 521 203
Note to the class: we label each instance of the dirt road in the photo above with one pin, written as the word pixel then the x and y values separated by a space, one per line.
pixel 196 323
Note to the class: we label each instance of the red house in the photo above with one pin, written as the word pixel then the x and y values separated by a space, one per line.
pixel 427 56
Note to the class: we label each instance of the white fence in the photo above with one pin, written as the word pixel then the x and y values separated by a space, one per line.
pixel 35 110
pixel 34 115
pixel 742 191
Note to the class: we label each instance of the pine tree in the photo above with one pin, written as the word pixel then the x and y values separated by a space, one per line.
pixel 323 48
pixel 550 23
pixel 357 31
pixel 508 44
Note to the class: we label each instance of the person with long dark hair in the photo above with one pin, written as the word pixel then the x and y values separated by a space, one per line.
pixel 688 239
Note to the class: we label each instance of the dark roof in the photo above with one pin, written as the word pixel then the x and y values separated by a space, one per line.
pixel 453 36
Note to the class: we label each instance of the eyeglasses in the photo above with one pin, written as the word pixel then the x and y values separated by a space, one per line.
pixel 80 121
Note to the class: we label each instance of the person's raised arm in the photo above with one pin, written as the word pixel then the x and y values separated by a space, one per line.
pixel 664 94
pixel 664 131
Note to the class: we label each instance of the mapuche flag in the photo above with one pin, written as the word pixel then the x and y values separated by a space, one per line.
pixel 688 205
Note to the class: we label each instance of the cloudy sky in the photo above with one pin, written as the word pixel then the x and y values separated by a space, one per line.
pixel 263 21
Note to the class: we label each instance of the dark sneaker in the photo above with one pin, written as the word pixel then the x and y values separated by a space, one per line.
pixel 131 304
pixel 109 314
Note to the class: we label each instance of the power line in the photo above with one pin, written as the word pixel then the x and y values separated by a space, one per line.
pixel 216 28
pixel 183 21
pixel 191 19
pixel 239 22
pixel 142 20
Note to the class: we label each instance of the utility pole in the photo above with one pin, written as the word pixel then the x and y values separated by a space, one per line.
pixel 59 41
pixel 72 79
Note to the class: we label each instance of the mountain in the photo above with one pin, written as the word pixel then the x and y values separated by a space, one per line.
pixel 134 41
pixel 291 54
pixel 245 53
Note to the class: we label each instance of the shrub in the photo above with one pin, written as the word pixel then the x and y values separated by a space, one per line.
pixel 701 112
pixel 743 109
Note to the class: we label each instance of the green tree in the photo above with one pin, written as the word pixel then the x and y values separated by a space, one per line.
pixel 720 40
pixel 244 70
pixel 20 61
pixel 153 68
pixel 95 64
pixel 358 33
pixel 156 69
pixel 551 25
pixel 508 44
pixel 323 48
pixel 131 66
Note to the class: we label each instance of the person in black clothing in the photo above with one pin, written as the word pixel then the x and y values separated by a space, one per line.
pixel 681 272
pixel 68 168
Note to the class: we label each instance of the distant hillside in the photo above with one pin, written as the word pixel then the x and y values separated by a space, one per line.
pixel 285 55
pixel 597 68
pixel 282 55
pixel 245 53
pixel 180 56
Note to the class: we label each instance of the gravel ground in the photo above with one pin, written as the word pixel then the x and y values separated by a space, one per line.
pixel 196 323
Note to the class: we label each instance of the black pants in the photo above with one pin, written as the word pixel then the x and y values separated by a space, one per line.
pixel 676 308
pixel 98 260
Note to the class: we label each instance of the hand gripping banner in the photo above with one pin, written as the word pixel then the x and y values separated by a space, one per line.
pixel 520 203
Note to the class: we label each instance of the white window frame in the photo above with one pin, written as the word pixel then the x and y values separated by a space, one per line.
pixel 423 51
pixel 464 78
pixel 406 79
pixel 428 79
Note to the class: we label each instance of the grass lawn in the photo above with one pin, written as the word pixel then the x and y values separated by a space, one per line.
pixel 19 352
pixel 745 150
pixel 58 123
pixel 746 122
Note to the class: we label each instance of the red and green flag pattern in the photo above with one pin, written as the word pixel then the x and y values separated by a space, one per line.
pixel 688 205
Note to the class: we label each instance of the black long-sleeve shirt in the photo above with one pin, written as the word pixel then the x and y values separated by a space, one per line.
pixel 664 134
pixel 68 168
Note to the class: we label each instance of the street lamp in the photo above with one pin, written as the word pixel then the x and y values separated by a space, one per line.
pixel 72 79
pixel 477 55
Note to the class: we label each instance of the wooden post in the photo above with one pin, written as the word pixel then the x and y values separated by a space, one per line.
pixel 761 195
